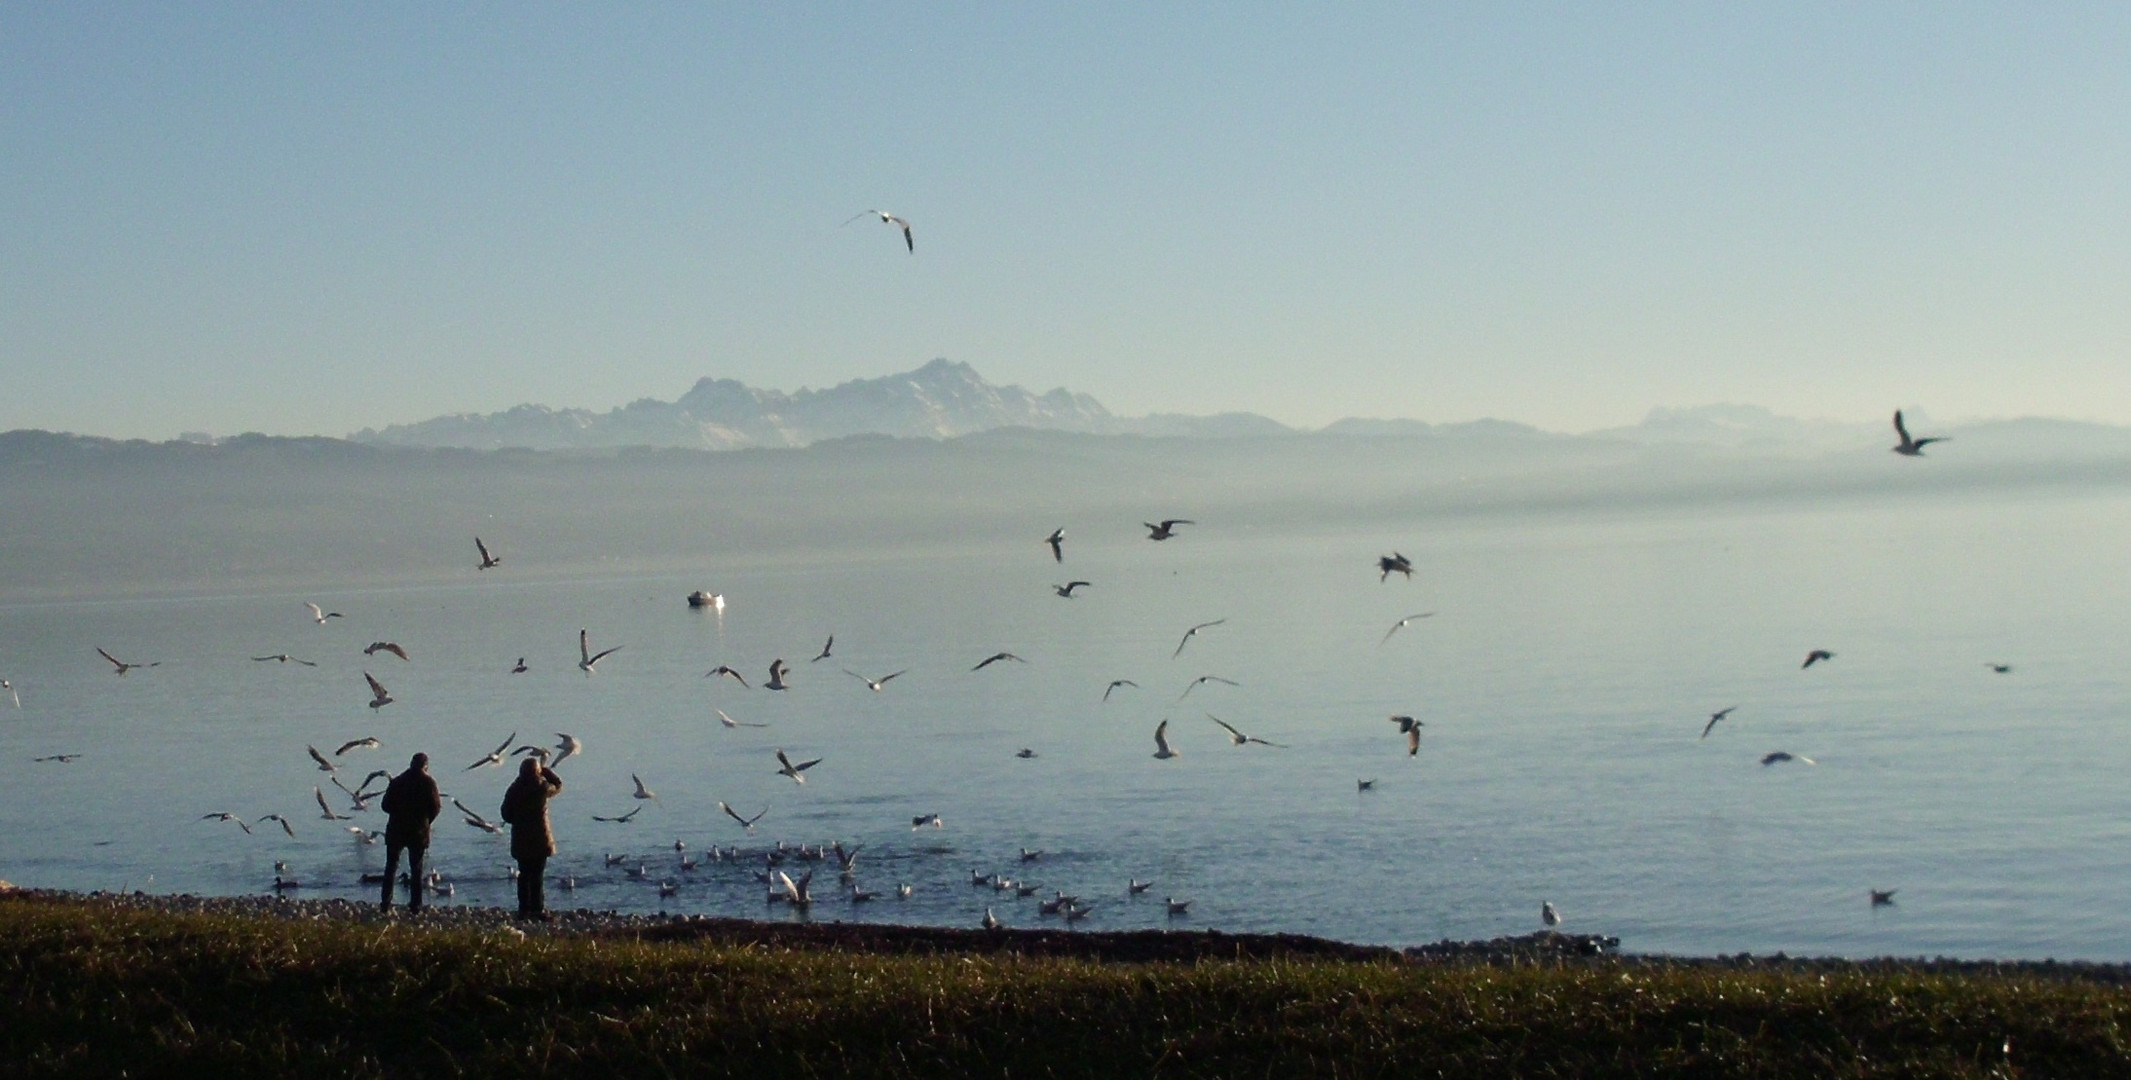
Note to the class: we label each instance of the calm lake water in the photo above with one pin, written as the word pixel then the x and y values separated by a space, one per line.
pixel 1563 682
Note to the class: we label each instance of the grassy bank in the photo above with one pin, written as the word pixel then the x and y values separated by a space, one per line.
pixel 94 990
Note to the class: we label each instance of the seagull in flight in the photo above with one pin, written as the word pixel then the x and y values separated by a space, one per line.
pixel 922 820
pixel 890 219
pixel 642 792
pixel 123 667
pixel 476 820
pixel 1397 626
pixel 1057 542
pixel 365 743
pixel 568 747
pixel 1713 718
pixel 2001 669
pixel 825 647
pixel 224 815
pixel 1066 590
pixel 487 560
pixel 12 695
pixel 872 684
pixel 1024 753
pixel 285 658
pixel 795 771
pixel 1394 563
pixel 747 823
pixel 319 615
pixel 1882 897
pixel 325 811
pixel 1166 529
pixel 323 764
pixel 1161 742
pixel 1411 729
pixel 392 647
pixel 495 757
pixel 1192 633
pixel 586 658
pixel 1909 447
pixel 519 668
pixel 63 759
pixel 776 679
pixel 621 818
pixel 995 658
pixel 378 697
pixel 729 673
pixel 1238 737
pixel 1780 756
pixel 1205 679
pixel 281 821
pixel 1114 684
pixel 732 723
pixel 1814 657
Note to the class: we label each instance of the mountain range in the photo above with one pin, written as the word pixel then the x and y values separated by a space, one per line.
pixel 945 399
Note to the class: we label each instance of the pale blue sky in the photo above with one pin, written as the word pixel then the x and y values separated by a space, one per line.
pixel 312 218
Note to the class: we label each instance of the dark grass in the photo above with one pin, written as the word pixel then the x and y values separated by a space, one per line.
pixel 101 990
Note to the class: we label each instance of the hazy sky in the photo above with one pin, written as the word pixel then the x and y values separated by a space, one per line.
pixel 309 218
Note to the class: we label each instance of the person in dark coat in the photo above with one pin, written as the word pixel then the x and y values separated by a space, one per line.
pixel 525 809
pixel 411 802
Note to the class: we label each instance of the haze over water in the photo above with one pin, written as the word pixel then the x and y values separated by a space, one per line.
pixel 1573 660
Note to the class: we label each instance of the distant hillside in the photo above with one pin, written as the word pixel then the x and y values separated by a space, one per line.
pixel 941 400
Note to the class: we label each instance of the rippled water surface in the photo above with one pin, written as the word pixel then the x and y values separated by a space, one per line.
pixel 1570 666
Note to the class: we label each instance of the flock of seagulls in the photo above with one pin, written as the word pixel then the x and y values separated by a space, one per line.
pixel 797 891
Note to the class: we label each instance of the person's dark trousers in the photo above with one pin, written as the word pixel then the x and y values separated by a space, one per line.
pixel 415 889
pixel 532 898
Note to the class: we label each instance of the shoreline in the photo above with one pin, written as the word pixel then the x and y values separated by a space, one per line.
pixel 1540 948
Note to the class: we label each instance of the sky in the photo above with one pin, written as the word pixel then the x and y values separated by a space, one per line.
pixel 309 219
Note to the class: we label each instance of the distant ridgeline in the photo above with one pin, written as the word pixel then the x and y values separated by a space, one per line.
pixel 941 400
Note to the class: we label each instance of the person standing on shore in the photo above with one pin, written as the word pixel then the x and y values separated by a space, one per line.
pixel 411 802
pixel 525 809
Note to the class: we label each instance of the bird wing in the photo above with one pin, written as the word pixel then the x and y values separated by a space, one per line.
pixel 784 761
pixel 1231 727
pixel 506 745
pixel 483 548
pixel 376 688
pixel 319 793
pixel 1161 736
pixel 1901 429
pixel 602 656
pixel 856 216
pixel 317 612
pixel 349 745
pixel 319 758
pixel 1413 740
pixel 114 660
pixel 805 765
pixel 1713 718
pixel 885 678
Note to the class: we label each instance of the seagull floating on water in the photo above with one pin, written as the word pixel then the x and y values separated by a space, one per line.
pixel 1882 897
pixel 1909 447
pixel 1024 753
pixel 923 820
pixel 1997 667
pixel 1365 785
